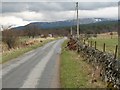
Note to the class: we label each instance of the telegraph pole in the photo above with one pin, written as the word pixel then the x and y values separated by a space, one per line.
pixel 77 21
pixel 71 31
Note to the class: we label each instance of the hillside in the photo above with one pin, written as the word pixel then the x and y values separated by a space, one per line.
pixel 66 23
pixel 63 27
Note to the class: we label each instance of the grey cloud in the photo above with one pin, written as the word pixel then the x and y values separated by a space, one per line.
pixel 13 7
pixel 52 6
pixel 97 5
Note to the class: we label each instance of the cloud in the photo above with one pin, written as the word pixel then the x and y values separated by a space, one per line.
pixel 21 13
pixel 11 20
pixel 59 0
pixel 96 5
pixel 14 7
pixel 112 12
pixel 52 6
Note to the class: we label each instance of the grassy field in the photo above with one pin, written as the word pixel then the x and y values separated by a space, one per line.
pixel 76 73
pixel 109 42
pixel 17 52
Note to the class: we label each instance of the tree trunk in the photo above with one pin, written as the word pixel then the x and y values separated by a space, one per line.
pixel 9 45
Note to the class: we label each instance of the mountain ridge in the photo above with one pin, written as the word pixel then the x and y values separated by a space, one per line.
pixel 65 23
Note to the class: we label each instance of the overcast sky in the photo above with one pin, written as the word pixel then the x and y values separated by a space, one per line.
pixel 19 13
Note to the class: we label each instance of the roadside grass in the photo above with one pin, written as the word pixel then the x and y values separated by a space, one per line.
pixel 17 52
pixel 76 73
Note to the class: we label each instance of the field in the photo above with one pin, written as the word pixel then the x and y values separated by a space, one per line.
pixel 75 72
pixel 110 43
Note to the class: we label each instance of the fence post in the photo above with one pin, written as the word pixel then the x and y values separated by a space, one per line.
pixel 91 44
pixel 88 43
pixel 95 44
pixel 104 47
pixel 84 41
pixel 116 49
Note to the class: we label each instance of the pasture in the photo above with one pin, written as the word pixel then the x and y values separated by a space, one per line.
pixel 110 42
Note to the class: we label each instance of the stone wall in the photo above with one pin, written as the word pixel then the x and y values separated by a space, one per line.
pixel 109 67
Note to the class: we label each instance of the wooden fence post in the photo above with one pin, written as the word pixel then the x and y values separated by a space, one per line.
pixel 84 41
pixel 88 43
pixel 95 44
pixel 104 47
pixel 116 49
pixel 91 44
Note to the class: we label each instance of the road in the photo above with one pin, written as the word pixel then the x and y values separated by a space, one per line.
pixel 36 69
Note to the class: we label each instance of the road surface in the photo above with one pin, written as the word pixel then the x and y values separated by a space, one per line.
pixel 36 69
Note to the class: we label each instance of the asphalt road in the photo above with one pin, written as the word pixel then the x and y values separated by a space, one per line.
pixel 36 69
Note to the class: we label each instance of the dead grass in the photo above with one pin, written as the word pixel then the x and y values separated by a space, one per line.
pixel 14 53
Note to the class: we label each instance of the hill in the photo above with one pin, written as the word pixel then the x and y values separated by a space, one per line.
pixel 63 27
pixel 66 23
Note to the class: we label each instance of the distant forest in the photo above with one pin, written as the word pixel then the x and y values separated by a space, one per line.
pixel 97 28
pixel 94 28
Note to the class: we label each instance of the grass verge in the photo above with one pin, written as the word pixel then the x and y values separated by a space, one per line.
pixel 76 73
pixel 16 53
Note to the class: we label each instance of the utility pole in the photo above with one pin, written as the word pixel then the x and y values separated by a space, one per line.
pixel 77 21
pixel 71 31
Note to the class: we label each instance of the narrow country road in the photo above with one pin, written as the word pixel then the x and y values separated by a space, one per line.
pixel 36 69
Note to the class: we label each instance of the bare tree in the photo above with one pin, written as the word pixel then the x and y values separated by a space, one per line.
pixel 9 37
pixel 28 32
pixel 32 30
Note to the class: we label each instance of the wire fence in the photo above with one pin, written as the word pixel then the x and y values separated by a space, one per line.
pixel 103 47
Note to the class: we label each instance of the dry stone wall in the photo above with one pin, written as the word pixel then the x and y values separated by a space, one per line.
pixel 109 67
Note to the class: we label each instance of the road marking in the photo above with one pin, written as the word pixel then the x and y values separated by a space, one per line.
pixel 35 74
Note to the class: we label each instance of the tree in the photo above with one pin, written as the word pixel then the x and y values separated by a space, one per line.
pixel 9 37
pixel 32 30
pixel 27 31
